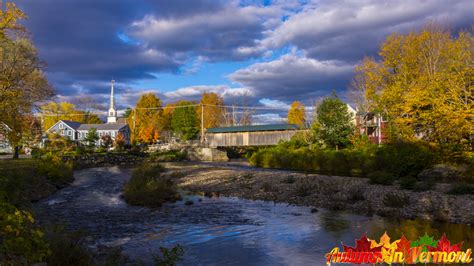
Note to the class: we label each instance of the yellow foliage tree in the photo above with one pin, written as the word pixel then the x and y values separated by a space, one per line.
pixel 144 123
pixel 423 84
pixel 22 82
pixel 213 110
pixel 296 114
pixel 53 112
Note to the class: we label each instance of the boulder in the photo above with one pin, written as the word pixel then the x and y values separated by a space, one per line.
pixel 206 154
pixel 440 173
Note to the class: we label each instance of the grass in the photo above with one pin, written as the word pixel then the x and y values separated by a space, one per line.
pixel 148 188
pixel 26 180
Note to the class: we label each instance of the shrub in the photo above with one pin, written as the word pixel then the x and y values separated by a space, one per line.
pixel 408 182
pixel 289 180
pixel 267 187
pixel 461 189
pixel 169 256
pixel 381 177
pixel 21 241
pixel 395 200
pixel 147 188
pixel 402 159
pixel 57 171
pixel 67 249
pixel 356 193
pixel 423 186
pixel 168 156
pixel 304 188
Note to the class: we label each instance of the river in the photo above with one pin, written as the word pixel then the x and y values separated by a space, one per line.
pixel 218 230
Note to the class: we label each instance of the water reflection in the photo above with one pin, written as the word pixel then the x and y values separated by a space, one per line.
pixel 216 231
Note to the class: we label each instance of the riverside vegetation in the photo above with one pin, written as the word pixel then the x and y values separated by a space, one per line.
pixel 147 187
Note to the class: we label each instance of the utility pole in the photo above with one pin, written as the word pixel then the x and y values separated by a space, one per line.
pixel 202 123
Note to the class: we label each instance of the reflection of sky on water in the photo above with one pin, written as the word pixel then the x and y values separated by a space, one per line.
pixel 218 231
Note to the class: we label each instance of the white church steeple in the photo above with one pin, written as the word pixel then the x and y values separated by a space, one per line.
pixel 112 115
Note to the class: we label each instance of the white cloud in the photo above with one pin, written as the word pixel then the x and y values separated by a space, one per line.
pixel 197 91
pixel 351 29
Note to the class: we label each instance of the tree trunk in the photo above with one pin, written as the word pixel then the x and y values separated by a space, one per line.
pixel 16 152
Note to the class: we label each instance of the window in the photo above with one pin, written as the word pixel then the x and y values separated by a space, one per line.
pixel 60 126
pixel 69 133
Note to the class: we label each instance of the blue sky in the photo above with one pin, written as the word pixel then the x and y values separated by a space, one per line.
pixel 267 52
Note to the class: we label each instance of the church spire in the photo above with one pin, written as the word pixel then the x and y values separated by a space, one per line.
pixel 112 115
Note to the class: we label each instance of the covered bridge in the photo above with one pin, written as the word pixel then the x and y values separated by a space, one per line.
pixel 256 135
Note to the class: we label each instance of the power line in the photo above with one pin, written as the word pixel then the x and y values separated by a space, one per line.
pixel 180 106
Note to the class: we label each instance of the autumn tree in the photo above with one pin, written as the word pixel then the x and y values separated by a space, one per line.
pixel 119 142
pixel 423 84
pixel 164 121
pixel 106 141
pixel 22 83
pixel 53 112
pixel 184 121
pixel 144 118
pixel 212 104
pixel 333 124
pixel 296 114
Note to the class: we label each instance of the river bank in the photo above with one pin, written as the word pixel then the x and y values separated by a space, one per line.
pixel 213 230
pixel 321 191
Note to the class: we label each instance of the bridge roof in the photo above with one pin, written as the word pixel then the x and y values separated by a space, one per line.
pixel 274 127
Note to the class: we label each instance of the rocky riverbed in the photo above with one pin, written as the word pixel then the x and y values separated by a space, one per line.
pixel 321 191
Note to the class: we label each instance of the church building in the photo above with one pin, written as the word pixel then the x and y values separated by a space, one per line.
pixel 78 132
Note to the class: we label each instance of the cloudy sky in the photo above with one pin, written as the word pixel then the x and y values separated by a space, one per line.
pixel 266 53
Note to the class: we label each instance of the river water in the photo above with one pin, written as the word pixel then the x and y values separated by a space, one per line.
pixel 219 230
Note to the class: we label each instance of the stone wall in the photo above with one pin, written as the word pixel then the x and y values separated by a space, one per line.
pixel 97 160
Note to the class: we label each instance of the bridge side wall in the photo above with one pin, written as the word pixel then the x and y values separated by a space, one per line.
pixel 248 138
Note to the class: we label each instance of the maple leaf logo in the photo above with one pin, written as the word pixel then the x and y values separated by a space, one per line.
pixel 384 242
pixel 444 245
pixel 362 245
pixel 404 246
pixel 424 242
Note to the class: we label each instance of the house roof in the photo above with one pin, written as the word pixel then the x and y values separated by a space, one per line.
pixel 108 126
pixel 275 127
pixel 4 126
pixel 71 124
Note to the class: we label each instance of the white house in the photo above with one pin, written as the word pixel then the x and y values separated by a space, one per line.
pixel 4 144
pixel 77 131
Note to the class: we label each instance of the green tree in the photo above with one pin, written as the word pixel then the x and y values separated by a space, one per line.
pixel 91 137
pixel 333 122
pixel 296 114
pixel 127 112
pixel 184 120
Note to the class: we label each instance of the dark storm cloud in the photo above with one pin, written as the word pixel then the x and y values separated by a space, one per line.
pixel 294 77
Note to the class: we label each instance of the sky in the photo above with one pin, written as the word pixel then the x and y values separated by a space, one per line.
pixel 265 53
